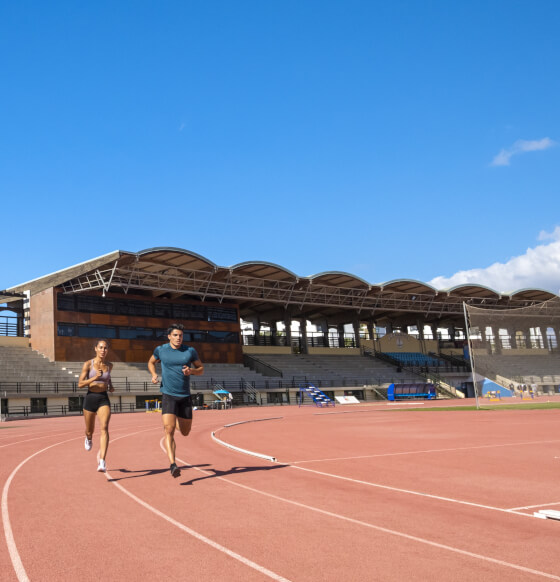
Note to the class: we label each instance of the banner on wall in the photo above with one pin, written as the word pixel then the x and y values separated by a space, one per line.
pixel 347 400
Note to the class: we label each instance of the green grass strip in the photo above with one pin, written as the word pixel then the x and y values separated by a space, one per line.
pixel 520 406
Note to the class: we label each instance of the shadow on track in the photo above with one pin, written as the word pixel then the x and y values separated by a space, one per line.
pixel 145 472
pixel 229 472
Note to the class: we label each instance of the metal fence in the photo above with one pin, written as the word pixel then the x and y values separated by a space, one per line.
pixel 9 326
pixel 61 410
pixel 240 385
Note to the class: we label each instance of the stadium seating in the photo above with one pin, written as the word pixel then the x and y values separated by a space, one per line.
pixel 326 370
pixel 21 364
pixel 416 359
pixel 528 368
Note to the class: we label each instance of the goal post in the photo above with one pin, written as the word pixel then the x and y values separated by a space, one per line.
pixel 513 351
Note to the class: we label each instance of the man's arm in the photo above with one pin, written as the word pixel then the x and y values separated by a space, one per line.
pixel 196 370
pixel 152 368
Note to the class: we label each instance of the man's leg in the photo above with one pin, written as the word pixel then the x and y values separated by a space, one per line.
pixel 184 425
pixel 169 421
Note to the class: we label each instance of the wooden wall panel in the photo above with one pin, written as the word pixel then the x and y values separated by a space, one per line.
pixel 75 349
pixel 42 323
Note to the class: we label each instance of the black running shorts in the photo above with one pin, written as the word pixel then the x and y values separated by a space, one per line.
pixel 179 406
pixel 95 400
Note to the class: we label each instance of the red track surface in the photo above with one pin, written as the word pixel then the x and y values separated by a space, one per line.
pixel 361 493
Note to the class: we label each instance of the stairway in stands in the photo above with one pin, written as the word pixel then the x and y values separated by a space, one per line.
pixel 22 364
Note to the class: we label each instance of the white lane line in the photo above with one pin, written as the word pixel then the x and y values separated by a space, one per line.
pixel 239 449
pixel 43 436
pixel 533 506
pixel 195 534
pixel 375 408
pixel 8 532
pixel 253 420
pixel 10 541
pixel 424 451
pixel 410 492
pixel 383 529
pixel 200 537
pixel 39 437
pixel 380 486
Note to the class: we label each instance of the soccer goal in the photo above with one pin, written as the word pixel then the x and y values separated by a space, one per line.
pixel 514 352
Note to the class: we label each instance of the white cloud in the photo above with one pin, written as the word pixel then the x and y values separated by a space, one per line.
pixel 554 235
pixel 521 146
pixel 539 268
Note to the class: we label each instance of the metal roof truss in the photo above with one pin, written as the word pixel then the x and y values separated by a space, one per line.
pixel 224 284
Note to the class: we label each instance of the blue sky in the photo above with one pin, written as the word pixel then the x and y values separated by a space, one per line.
pixel 403 139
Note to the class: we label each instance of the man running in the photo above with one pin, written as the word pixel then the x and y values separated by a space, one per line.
pixel 176 406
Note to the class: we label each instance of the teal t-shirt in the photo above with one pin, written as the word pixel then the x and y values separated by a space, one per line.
pixel 173 381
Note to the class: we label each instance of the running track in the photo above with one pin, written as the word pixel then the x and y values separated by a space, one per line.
pixel 362 493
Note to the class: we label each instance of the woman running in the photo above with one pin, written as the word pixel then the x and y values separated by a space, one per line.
pixel 96 377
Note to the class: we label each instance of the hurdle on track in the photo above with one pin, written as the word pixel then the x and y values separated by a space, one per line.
pixel 494 396
pixel 153 405
pixel 527 393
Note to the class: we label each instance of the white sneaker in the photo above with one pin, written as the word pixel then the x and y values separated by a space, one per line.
pixel 101 467
pixel 88 444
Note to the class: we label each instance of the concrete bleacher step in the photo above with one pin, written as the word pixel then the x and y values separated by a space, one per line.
pixel 331 369
pixel 137 372
pixel 22 364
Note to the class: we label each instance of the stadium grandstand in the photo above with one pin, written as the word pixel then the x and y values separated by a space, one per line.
pixel 261 331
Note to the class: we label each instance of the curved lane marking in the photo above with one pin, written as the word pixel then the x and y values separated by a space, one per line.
pixel 534 506
pixel 239 449
pixel 410 492
pixel 35 438
pixel 369 483
pixel 424 451
pixel 383 529
pixel 201 537
pixel 10 541
pixel 252 420
pixel 8 532
pixel 194 533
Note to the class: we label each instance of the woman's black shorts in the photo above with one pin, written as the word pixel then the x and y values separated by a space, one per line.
pixel 180 407
pixel 95 400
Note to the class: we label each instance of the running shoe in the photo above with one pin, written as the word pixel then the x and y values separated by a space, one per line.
pixel 88 444
pixel 101 467
pixel 175 471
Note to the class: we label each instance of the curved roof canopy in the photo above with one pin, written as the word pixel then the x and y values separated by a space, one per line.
pixel 338 279
pixel 174 257
pixel 409 286
pixel 472 290
pixel 269 291
pixel 263 270
pixel 533 294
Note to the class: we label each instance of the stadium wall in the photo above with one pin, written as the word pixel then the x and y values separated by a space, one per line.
pixel 12 342
pixel 42 323
pixel 400 342
pixel 45 317
pixel 524 352
pixel 267 350
pixel 333 351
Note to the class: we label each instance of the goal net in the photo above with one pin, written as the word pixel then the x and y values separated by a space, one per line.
pixel 515 352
